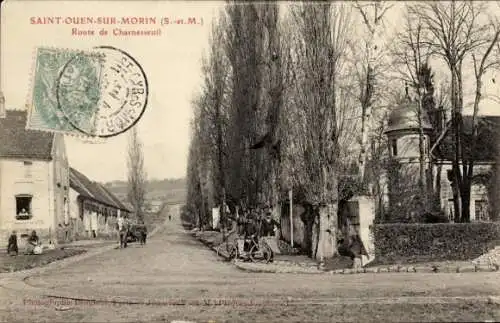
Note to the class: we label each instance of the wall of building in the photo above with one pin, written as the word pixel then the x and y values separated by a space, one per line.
pixel 84 221
pixel 478 192
pixel 60 184
pixel 34 180
pixel 406 145
pixel 75 216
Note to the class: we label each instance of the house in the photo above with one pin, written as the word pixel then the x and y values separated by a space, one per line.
pixel 403 138
pixel 93 208
pixel 34 180
pixel 484 153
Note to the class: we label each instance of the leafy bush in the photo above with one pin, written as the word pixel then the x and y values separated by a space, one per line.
pixel 435 217
pixel 413 242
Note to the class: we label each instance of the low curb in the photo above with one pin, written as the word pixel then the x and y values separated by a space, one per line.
pixel 19 284
pixel 303 268
pixel 298 269
pixel 268 269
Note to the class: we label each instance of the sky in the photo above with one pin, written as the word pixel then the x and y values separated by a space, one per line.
pixel 171 63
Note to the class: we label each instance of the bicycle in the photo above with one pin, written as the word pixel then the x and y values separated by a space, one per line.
pixel 258 250
pixel 230 248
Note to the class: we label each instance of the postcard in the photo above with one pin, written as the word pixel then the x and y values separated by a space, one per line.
pixel 249 161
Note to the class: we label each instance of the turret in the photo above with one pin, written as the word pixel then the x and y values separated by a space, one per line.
pixel 403 131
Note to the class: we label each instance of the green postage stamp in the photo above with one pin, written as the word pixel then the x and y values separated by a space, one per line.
pixel 68 78
pixel 99 93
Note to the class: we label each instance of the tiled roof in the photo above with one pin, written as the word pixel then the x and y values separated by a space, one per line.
pixel 78 185
pixel 116 199
pixel 92 190
pixel 18 142
pixel 486 148
pixel 110 196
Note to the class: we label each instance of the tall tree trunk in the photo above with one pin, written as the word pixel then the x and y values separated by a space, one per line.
pixel 276 98
pixel 437 190
pixel 315 233
pixel 457 120
pixel 421 148
pixel 307 218
pixel 465 192
pixel 327 246
pixel 465 205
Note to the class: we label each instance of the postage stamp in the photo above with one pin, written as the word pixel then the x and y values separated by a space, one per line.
pixel 95 94
pixel 48 92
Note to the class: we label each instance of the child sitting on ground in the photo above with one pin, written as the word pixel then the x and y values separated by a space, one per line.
pixel 33 242
pixel 12 248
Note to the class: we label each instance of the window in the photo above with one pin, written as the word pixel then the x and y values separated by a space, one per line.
pixel 394 147
pixel 23 207
pixel 27 169
pixel 481 210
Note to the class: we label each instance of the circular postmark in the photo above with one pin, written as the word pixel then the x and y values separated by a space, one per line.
pixel 103 96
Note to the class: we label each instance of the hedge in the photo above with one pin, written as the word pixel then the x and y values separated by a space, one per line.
pixel 402 242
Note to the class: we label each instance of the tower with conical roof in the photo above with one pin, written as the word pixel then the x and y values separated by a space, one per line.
pixel 403 135
pixel 403 132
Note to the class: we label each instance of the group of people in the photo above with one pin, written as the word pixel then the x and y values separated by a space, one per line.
pixel 124 227
pixel 253 223
pixel 33 246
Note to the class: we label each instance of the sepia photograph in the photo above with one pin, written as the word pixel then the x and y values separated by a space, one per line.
pixel 249 161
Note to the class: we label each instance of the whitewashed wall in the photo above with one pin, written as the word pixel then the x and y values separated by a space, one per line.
pixel 15 180
pixel 60 185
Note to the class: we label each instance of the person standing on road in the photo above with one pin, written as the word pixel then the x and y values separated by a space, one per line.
pixel 252 228
pixel 269 225
pixel 119 227
pixel 144 234
pixel 124 233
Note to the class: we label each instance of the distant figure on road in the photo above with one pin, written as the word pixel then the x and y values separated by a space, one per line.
pixel 124 234
pixel 119 226
pixel 12 248
pixel 144 234
pixel 170 217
